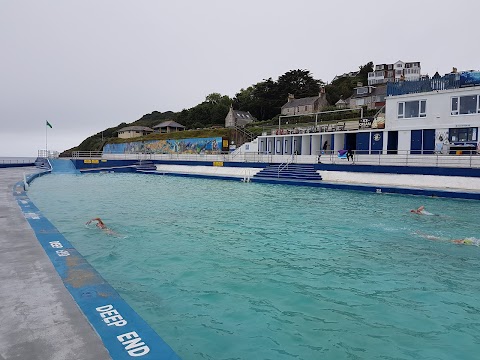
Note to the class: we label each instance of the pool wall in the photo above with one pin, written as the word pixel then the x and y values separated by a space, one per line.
pixel 124 333
pixel 432 181
pixel 417 170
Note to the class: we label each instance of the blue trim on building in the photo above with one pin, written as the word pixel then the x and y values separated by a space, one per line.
pixel 124 333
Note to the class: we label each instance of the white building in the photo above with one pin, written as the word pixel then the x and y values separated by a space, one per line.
pixel 426 121
pixel 418 120
pixel 408 71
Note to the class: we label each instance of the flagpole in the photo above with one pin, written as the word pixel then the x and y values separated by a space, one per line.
pixel 46 146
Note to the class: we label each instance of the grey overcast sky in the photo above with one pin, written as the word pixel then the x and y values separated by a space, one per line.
pixel 88 65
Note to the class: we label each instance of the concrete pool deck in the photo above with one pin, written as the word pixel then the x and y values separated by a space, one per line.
pixel 53 304
pixel 40 319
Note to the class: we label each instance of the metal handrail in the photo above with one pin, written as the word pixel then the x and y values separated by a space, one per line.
pixel 87 154
pixel 289 161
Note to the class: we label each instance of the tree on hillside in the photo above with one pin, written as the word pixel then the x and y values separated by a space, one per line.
pixel 299 83
pixel 265 98
pixel 343 87
pixel 212 111
pixel 364 70
pixel 154 118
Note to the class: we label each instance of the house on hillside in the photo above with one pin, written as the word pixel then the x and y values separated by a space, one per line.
pixel 133 131
pixel 168 127
pixel 341 104
pixel 373 97
pixel 349 74
pixel 305 105
pixel 238 118
pixel 399 71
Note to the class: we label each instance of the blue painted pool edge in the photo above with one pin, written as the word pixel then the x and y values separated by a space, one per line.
pixel 123 332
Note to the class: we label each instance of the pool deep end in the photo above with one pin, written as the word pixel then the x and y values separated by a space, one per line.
pixel 124 333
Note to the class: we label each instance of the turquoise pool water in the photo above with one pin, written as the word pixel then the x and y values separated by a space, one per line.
pixel 232 270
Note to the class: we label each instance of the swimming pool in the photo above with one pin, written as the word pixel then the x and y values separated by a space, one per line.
pixel 232 270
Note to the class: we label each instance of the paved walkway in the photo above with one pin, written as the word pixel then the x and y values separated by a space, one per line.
pixel 39 318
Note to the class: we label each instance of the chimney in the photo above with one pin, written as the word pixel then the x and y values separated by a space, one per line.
pixel 290 97
pixel 454 70
pixel 322 91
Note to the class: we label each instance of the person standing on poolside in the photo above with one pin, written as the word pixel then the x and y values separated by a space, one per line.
pixel 325 146
pixel 349 154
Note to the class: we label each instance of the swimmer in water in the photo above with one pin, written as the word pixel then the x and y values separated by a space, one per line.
pixel 465 241
pixel 101 225
pixel 421 211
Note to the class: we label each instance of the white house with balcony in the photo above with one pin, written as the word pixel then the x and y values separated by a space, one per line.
pixel 382 73
pixel 437 121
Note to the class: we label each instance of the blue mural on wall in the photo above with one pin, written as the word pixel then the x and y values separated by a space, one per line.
pixel 470 78
pixel 171 146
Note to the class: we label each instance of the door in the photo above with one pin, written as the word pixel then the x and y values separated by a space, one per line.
pixel 428 141
pixel 376 142
pixel 416 142
pixel 363 143
pixel 392 142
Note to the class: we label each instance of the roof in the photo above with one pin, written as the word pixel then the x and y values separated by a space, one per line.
pixel 237 114
pixel 377 90
pixel 135 128
pixel 169 123
pixel 300 102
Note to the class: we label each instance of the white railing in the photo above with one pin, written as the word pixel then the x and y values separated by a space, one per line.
pixel 87 154
pixel 400 158
pixel 17 161
pixel 48 154
pixel 404 158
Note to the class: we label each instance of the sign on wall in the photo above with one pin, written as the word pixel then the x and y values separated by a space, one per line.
pixel 365 123
pixel 470 78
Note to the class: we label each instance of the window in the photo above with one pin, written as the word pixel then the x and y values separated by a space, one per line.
pixel 362 90
pixel 464 105
pixel 454 106
pixel 462 134
pixel 306 108
pixel 412 109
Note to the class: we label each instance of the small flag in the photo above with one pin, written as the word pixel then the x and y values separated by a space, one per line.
pixel 48 124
